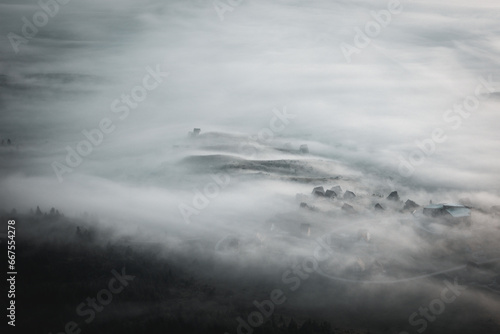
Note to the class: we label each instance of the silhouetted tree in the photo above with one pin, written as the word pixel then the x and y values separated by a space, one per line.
pixel 292 327
pixel 38 211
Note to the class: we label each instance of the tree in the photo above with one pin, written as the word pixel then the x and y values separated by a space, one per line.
pixel 292 327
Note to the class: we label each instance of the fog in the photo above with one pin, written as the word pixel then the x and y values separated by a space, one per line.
pixel 413 108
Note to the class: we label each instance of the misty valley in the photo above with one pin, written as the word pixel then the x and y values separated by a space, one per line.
pixel 307 261
pixel 250 166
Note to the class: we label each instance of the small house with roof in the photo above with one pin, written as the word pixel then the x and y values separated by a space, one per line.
pixel 452 213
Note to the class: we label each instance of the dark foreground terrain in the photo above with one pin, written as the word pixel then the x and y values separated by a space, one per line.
pixel 164 293
pixel 65 278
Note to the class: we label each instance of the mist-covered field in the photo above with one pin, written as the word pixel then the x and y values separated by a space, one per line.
pixel 183 142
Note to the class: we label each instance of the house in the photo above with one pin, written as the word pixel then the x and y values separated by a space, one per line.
pixel 349 195
pixel 195 133
pixel 337 189
pixel 452 213
pixel 319 191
